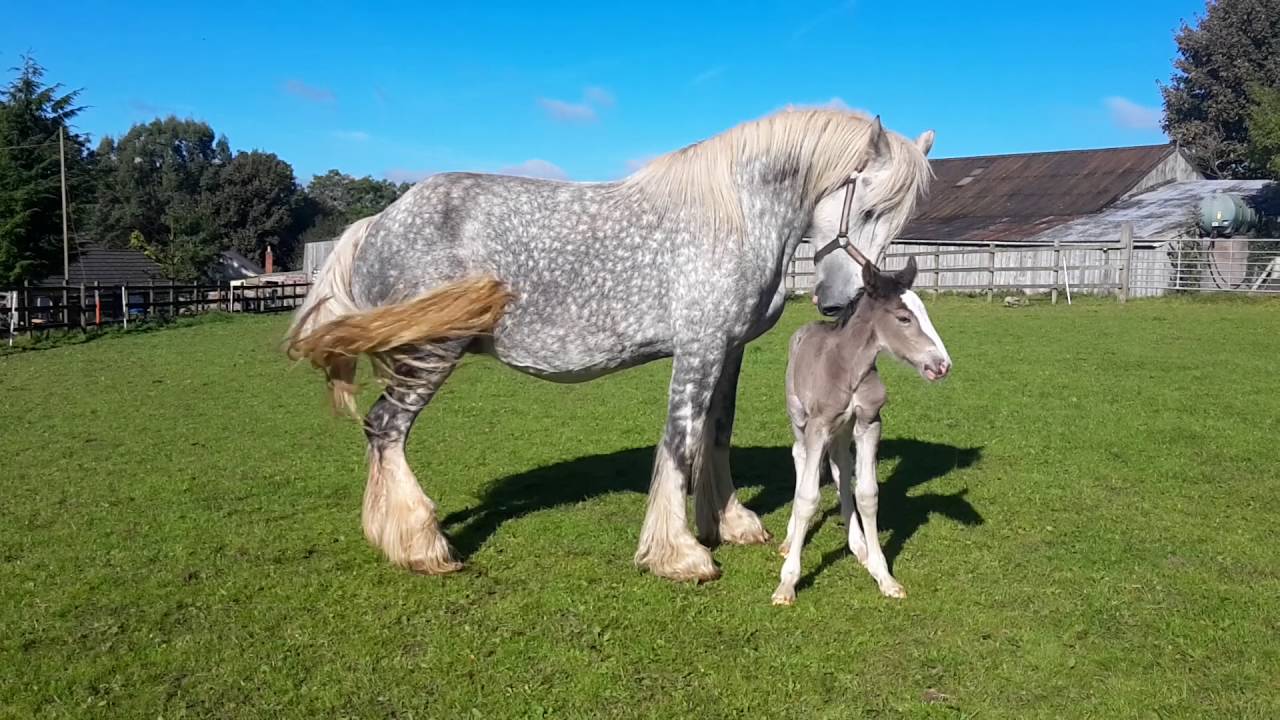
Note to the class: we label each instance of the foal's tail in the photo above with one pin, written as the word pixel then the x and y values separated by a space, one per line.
pixel 331 331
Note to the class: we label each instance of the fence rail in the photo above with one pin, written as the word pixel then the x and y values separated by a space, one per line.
pixel 1123 268
pixel 36 309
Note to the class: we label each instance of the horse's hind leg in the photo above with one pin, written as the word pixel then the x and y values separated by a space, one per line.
pixel 398 517
pixel 720 516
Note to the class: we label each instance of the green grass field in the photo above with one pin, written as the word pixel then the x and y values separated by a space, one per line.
pixel 1086 517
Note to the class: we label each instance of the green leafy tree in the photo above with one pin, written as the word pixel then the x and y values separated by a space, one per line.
pixel 335 199
pixel 1234 47
pixel 154 178
pixel 31 115
pixel 1264 130
pixel 257 203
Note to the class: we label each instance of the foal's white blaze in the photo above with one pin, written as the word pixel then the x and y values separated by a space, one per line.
pixel 916 306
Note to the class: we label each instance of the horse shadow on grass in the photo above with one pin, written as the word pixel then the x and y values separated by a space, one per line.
pixel 768 468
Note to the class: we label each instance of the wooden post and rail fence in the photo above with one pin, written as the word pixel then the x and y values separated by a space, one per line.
pixel 36 309
pixel 989 268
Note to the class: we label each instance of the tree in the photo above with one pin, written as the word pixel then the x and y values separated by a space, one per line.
pixel 1264 130
pixel 257 202
pixel 155 189
pixel 31 115
pixel 151 167
pixel 335 199
pixel 1235 47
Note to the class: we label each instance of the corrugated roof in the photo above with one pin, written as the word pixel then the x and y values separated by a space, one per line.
pixel 108 266
pixel 1013 197
pixel 1157 215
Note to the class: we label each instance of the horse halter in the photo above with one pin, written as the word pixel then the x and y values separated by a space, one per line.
pixel 850 184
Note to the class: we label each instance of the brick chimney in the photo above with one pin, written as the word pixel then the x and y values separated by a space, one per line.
pixel 270 261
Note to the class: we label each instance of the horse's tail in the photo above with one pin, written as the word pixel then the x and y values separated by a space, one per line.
pixel 331 331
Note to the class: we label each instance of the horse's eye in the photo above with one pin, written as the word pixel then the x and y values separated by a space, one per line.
pixel 904 319
pixel 866 216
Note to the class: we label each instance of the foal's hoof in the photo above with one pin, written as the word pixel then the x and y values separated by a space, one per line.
pixel 784 549
pixel 892 588
pixel 784 596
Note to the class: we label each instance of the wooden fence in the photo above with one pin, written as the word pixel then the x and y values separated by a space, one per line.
pixel 37 309
pixel 1123 268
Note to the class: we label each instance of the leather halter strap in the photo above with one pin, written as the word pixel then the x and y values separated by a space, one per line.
pixel 850 185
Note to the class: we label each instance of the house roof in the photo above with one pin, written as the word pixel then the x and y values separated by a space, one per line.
pixel 233 265
pixel 993 198
pixel 1157 215
pixel 108 266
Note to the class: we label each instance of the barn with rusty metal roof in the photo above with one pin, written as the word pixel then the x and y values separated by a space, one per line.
pixel 1011 198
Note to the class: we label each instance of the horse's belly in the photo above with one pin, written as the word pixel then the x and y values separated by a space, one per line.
pixel 570 361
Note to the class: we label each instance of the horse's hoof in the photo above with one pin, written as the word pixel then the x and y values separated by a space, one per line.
pixel 784 597
pixel 696 565
pixel 784 549
pixel 744 530
pixel 435 567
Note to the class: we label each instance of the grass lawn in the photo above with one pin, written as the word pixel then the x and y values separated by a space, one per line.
pixel 1086 518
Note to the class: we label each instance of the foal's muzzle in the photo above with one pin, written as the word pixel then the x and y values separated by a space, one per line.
pixel 936 370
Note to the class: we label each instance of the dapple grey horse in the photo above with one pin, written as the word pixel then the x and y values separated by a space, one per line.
pixel 566 281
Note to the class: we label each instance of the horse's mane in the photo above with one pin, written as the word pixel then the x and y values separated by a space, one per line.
pixel 820 148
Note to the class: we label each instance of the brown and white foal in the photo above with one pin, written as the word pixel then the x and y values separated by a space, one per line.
pixel 834 392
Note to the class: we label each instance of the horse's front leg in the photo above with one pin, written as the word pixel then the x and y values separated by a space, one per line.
pixel 666 547
pixel 720 516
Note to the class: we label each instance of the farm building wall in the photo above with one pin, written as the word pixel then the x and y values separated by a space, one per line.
pixel 1173 169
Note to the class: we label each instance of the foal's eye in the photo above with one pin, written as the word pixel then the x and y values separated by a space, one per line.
pixel 867 215
pixel 904 319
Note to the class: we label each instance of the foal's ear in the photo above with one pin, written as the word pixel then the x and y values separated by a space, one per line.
pixel 907 275
pixel 871 278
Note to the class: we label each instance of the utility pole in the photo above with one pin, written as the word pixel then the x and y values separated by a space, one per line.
pixel 66 252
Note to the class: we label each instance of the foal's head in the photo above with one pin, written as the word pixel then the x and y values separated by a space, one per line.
pixel 899 321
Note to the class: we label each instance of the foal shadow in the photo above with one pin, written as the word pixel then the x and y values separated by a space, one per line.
pixel 768 468
pixel 900 514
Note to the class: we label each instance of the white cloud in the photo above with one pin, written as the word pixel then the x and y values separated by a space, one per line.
pixel 567 111
pixel 709 74
pixel 536 168
pixel 401 175
pixel 835 103
pixel 358 136
pixel 636 163
pixel 598 96
pixel 1129 115
pixel 594 98
pixel 297 88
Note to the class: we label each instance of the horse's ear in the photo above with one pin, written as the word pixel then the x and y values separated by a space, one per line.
pixel 871 279
pixel 907 275
pixel 925 141
pixel 879 140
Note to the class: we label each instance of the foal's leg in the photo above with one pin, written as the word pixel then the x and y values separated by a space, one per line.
pixel 866 433
pixel 799 456
pixel 398 516
pixel 720 516
pixel 842 472
pixel 666 547
pixel 802 511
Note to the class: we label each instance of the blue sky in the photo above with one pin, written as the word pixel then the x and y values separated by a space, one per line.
pixel 587 90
